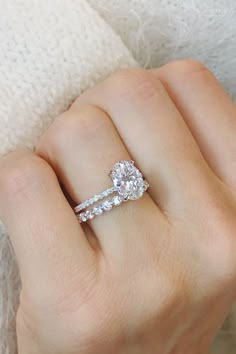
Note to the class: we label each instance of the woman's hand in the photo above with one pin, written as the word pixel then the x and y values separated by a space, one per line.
pixel 152 276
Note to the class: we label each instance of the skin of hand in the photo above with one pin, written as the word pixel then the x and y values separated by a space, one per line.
pixel 153 276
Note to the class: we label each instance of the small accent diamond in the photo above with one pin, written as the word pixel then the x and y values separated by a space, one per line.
pixel 89 214
pixel 83 217
pixel 116 200
pixel 107 205
pixel 97 210
pixel 94 199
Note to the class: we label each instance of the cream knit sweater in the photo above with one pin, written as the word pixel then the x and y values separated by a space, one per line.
pixel 50 51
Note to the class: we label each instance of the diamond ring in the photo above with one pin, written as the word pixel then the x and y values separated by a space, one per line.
pixel 128 184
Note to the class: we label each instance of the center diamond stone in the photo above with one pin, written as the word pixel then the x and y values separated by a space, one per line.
pixel 128 180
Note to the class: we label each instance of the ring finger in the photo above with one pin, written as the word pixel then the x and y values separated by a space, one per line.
pixel 82 146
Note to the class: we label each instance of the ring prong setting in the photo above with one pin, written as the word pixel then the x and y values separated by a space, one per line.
pixel 128 184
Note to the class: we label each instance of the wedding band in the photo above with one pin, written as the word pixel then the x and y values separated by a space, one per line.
pixel 128 184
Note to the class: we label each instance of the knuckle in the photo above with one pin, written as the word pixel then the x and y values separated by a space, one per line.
pixel 186 66
pixel 20 171
pixel 55 137
pixel 91 120
pixel 135 83
pixel 77 123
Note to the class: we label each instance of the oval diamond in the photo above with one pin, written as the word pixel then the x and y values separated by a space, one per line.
pixel 128 180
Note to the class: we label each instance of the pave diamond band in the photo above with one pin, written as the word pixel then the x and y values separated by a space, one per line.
pixel 128 184
pixel 94 199
pixel 100 209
